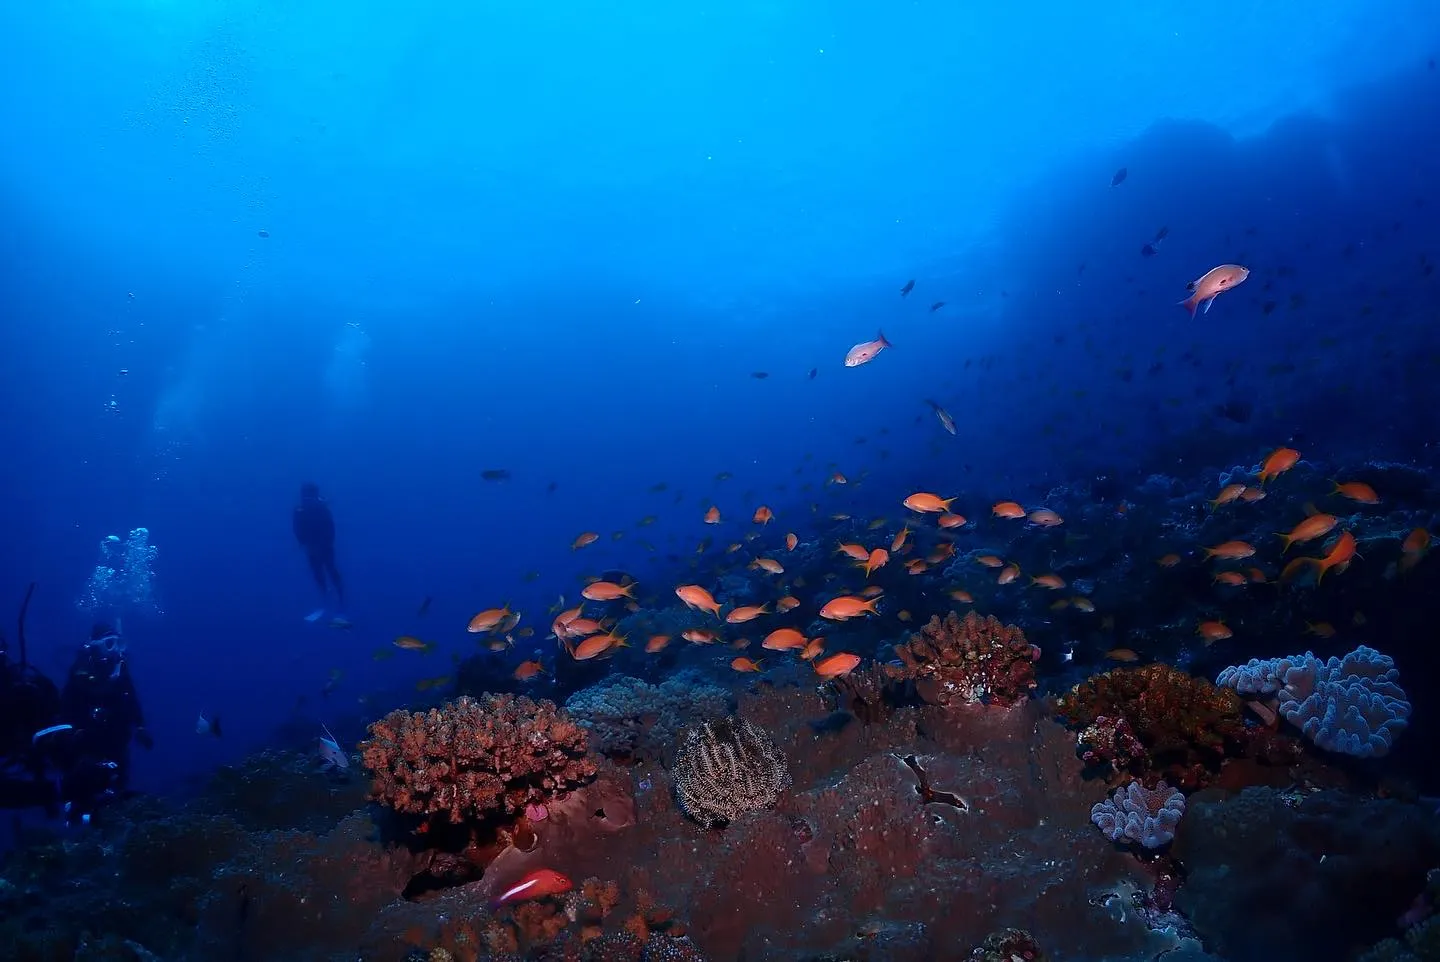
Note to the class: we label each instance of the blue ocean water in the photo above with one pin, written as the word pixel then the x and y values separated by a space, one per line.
pixel 386 249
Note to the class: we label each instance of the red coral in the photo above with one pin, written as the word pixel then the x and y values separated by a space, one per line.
pixel 965 660
pixel 476 758
pixel 1156 722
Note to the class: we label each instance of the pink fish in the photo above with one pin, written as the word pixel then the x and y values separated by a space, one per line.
pixel 536 885
pixel 866 350
pixel 1216 281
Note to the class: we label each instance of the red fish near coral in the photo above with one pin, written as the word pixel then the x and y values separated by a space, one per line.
pixel 1216 281
pixel 536 885
pixel 866 351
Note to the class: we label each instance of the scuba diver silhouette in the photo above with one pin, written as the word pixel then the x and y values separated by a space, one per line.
pixel 315 530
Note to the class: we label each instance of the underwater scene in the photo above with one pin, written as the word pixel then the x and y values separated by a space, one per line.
pixel 755 481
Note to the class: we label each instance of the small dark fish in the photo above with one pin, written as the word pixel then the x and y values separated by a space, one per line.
pixel 909 286
pixel 814 371
pixel 1119 177
pixel 495 474
pixel 263 233
pixel 936 306
pixel 1149 250
pixel 759 375
pixel 424 607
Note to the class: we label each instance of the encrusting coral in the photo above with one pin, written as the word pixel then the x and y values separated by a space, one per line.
pixel 966 660
pixel 1156 721
pixel 475 758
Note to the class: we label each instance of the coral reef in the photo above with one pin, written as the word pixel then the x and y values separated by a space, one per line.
pixel 633 720
pixel 1155 722
pixel 966 660
pixel 1139 814
pixel 1347 865
pixel 1352 705
pixel 1008 945
pixel 727 768
pixel 474 758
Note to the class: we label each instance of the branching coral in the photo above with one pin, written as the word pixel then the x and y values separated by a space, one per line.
pixel 965 660
pixel 474 758
pixel 727 768
pixel 1156 720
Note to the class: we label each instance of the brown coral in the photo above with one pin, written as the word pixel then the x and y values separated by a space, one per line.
pixel 474 758
pixel 966 660
pixel 1185 726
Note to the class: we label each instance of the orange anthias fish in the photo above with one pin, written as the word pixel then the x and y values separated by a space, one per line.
pixel 1339 556
pixel 1357 491
pixel 927 503
pixel 836 665
pixel 1215 282
pixel 1213 631
pixel 597 645
pixel 1230 551
pixel 1315 526
pixel 1010 573
pixel 697 597
pixel 1227 494
pixel 763 515
pixel 877 559
pixel 866 351
pixel 855 552
pixel 745 664
pixel 948 520
pixel 1279 461
pixel 846 607
pixel 536 885
pixel 488 619
pixel 898 542
pixel 1008 509
pixel 787 603
pixel 1169 560
pixel 813 649
pixel 991 561
pixel 770 566
pixel 746 613
pixel 606 591
pixel 1045 518
pixel 791 541
pixel 1231 578
pixel 713 515
pixel 586 537
pixel 656 643
pixel 527 670
pixel 1053 582
pixel 783 639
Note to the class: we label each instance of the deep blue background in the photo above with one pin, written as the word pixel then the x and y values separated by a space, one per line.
pixel 557 239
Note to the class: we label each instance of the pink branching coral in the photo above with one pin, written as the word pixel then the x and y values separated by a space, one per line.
pixel 476 757
pixel 965 660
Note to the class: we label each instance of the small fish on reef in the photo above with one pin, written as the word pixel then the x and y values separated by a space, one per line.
pixel 836 665
pixel 866 351
pixel 208 725
pixel 1231 579
pixel 585 538
pixel 697 597
pixel 745 664
pixel 332 756
pixel 909 286
pixel 948 520
pixel 1045 518
pixel 991 561
pixel 791 541
pixel 1212 284
pixel 656 643
pixel 527 670
pixel 1277 463
pixel 770 566
pixel 607 591
pixel 488 619
pixel 746 613
pixel 783 639
pixel 1227 494
pixel 496 474
pixel 411 643
pixel 1231 551
pixel 1010 574
pixel 1344 549
pixel 1357 491
pixel 763 515
pixel 846 607
pixel 946 421
pixel 1119 177
pixel 538 884
pixel 1009 510
pixel 1315 526
pixel 713 515
pixel 926 503
pixel 1213 631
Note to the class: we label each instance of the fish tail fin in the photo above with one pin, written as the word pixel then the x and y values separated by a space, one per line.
pixel 1190 303
pixel 880 336
pixel 1285 538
